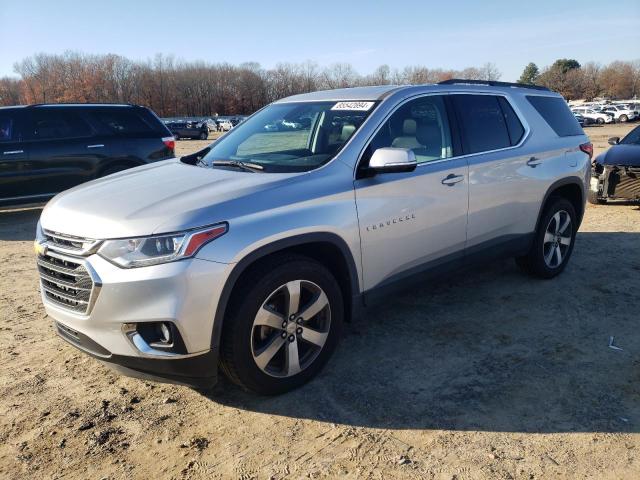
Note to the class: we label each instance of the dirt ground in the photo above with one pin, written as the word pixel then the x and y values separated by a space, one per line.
pixel 490 375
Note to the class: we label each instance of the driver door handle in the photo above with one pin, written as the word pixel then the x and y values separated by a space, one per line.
pixel 533 162
pixel 451 179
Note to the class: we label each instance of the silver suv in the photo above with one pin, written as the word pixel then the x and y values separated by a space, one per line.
pixel 251 253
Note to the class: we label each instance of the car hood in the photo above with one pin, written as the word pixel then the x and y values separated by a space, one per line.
pixel 628 155
pixel 162 197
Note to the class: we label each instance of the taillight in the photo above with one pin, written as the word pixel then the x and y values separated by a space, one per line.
pixel 587 148
pixel 170 143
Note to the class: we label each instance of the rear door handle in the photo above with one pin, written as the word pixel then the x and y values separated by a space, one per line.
pixel 452 179
pixel 12 152
pixel 533 162
pixel 97 145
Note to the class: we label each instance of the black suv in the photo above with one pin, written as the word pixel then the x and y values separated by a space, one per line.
pixel 45 149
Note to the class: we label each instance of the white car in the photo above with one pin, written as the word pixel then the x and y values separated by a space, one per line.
pixel 620 113
pixel 597 117
pixel 224 125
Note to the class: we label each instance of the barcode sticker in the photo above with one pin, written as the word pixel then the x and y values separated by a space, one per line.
pixel 357 106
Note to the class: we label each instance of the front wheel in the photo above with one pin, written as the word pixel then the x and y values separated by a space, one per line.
pixel 204 136
pixel 600 121
pixel 594 199
pixel 553 240
pixel 284 323
pixel 623 118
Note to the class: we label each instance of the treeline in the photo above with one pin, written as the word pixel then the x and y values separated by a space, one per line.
pixel 617 80
pixel 175 88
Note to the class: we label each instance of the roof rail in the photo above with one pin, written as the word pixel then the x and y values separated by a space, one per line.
pixel 491 83
pixel 81 104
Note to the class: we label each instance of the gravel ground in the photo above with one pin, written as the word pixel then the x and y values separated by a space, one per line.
pixel 490 375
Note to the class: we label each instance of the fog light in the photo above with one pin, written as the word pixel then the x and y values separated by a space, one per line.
pixel 165 331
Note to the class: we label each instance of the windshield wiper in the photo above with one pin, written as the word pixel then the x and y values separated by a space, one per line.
pixel 250 167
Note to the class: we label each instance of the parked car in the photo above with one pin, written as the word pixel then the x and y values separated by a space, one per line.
pixel 620 114
pixel 255 250
pixel 590 113
pixel 583 121
pixel 193 129
pixel 224 125
pixel 615 173
pixel 45 149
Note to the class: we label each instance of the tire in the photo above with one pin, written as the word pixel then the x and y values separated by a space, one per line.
pixel 177 137
pixel 623 119
pixel 543 260
pixel 592 197
pixel 253 352
pixel 600 121
pixel 204 135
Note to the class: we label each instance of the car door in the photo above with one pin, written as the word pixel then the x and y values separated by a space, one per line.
pixel 412 221
pixel 502 191
pixel 14 155
pixel 64 149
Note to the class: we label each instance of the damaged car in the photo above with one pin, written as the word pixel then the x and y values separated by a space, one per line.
pixel 615 174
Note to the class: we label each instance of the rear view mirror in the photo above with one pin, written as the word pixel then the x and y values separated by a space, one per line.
pixel 392 160
pixel 614 140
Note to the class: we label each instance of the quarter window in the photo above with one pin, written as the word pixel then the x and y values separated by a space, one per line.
pixel 484 126
pixel 556 113
pixel 420 125
pixel 7 128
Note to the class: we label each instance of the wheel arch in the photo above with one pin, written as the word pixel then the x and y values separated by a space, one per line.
pixel 327 248
pixel 570 188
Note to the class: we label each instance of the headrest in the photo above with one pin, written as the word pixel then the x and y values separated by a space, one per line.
pixel 347 130
pixel 409 127
pixel 428 134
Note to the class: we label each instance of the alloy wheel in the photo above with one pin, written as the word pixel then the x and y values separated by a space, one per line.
pixel 557 239
pixel 290 328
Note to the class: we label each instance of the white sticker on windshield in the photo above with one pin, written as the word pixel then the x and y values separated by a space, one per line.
pixel 358 106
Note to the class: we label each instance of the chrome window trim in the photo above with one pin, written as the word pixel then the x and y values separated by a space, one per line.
pixel 516 109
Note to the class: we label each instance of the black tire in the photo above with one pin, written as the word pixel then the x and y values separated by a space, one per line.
pixel 592 198
pixel 623 119
pixel 177 137
pixel 257 285
pixel 204 135
pixel 600 121
pixel 534 262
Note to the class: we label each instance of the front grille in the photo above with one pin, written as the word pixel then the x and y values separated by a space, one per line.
pixel 69 243
pixel 66 282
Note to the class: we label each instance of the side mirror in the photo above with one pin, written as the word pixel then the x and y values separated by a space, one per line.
pixel 392 160
pixel 614 140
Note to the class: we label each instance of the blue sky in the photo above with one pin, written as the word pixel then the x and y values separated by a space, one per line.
pixel 446 34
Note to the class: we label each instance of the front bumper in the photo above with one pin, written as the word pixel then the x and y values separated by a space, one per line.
pixel 184 293
pixel 617 182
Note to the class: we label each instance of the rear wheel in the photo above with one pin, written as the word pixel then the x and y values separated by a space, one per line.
pixel 553 241
pixel 600 121
pixel 204 135
pixel 283 325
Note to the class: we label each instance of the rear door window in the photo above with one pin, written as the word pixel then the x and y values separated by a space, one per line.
pixel 483 124
pixel 556 113
pixel 514 127
pixel 126 122
pixel 58 123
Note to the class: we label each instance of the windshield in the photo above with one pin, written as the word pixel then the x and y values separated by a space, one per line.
pixel 632 138
pixel 291 137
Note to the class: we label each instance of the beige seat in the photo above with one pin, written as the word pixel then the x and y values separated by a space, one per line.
pixel 430 138
pixel 408 138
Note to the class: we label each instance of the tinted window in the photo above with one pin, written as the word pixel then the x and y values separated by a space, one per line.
pixel 54 123
pixel 7 128
pixel 514 127
pixel 420 125
pixel 483 123
pixel 557 114
pixel 124 121
pixel 632 138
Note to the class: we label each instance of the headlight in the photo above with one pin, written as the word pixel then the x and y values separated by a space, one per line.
pixel 144 251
